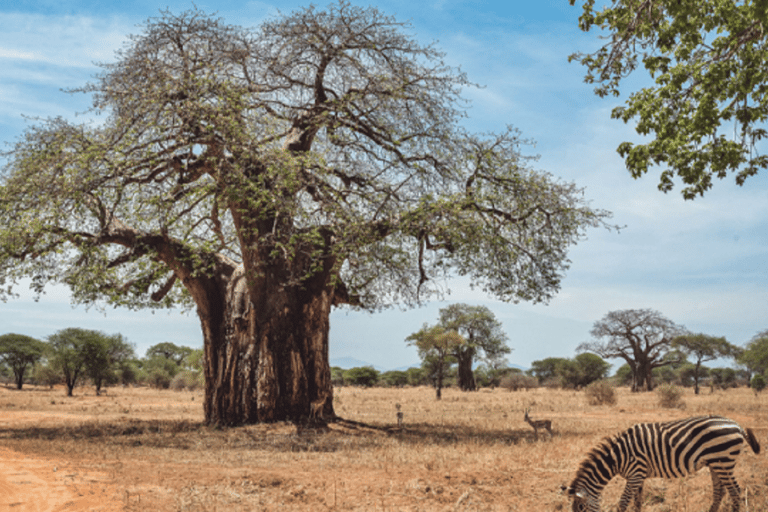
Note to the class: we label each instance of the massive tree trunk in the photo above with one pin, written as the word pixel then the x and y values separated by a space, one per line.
pixel 267 359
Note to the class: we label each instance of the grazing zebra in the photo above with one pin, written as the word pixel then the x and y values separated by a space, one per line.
pixel 666 450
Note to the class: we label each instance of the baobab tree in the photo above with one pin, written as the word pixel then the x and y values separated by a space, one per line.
pixel 264 176
pixel 642 337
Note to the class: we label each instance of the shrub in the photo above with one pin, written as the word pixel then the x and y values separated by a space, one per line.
pixel 186 380
pixel 670 396
pixel 394 379
pixel 600 392
pixel 757 383
pixel 365 376
pixel 515 381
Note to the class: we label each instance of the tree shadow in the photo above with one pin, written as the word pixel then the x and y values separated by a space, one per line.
pixel 338 435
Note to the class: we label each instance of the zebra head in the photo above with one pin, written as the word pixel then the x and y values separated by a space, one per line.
pixel 582 500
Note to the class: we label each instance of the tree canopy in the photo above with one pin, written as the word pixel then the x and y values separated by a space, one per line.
pixel 334 130
pixel 483 337
pixel 20 352
pixel 703 348
pixel 266 174
pixel 706 111
pixel 755 354
pixel 437 346
pixel 642 337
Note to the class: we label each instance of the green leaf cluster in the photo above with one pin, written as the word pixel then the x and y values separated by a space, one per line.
pixel 705 115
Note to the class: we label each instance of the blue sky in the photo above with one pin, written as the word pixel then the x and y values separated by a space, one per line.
pixel 703 264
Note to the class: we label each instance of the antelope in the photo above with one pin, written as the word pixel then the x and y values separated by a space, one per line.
pixel 537 424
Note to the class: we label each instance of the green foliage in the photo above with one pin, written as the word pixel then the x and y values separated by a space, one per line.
pixel 706 111
pixel 394 379
pixel 641 337
pixel 755 354
pixel 436 347
pixel 160 371
pixel 570 373
pixel 600 392
pixel 417 377
pixel 337 376
pixel 44 374
pixel 20 353
pixel 177 354
pixel 365 376
pixel 357 156
pixel 623 375
pixel 78 353
pixel 723 378
pixel 757 383
pixel 670 396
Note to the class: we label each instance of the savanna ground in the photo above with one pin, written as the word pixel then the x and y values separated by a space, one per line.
pixel 142 449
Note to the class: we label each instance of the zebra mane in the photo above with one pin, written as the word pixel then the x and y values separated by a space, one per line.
pixel 596 453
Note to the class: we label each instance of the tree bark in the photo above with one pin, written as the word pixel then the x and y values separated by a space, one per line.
pixel 267 361
pixel 466 376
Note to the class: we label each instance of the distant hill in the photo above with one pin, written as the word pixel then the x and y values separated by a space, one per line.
pixel 345 363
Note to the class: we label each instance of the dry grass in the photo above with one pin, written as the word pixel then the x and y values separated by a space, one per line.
pixel 470 451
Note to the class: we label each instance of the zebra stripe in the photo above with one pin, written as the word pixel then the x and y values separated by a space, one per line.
pixel 667 450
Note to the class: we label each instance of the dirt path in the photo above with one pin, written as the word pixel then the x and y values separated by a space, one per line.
pixel 29 484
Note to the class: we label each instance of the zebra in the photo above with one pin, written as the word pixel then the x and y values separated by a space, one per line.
pixel 667 450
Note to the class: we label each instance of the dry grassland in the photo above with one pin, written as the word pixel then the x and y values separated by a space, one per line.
pixel 141 449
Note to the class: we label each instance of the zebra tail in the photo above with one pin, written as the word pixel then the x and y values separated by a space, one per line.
pixel 752 440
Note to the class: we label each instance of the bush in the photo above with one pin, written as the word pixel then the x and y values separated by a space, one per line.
pixel 757 383
pixel 515 381
pixel 600 392
pixel 670 396
pixel 365 376
pixel 186 380
pixel 394 379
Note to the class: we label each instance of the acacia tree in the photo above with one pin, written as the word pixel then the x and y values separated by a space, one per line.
pixel 707 109
pixel 642 337
pixel 482 334
pixel 71 350
pixel 265 175
pixel 20 352
pixel 104 355
pixel 436 346
pixel 177 354
pixel 754 356
pixel 703 348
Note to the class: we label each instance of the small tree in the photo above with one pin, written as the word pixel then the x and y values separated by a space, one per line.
pixel 757 383
pixel 20 353
pixel 549 369
pixel 755 354
pixel 483 336
pixel 723 377
pixel 69 350
pixel 702 348
pixel 104 355
pixel 436 347
pixel 177 354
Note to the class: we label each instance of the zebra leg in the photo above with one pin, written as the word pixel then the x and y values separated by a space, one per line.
pixel 632 492
pixel 717 490
pixel 735 492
